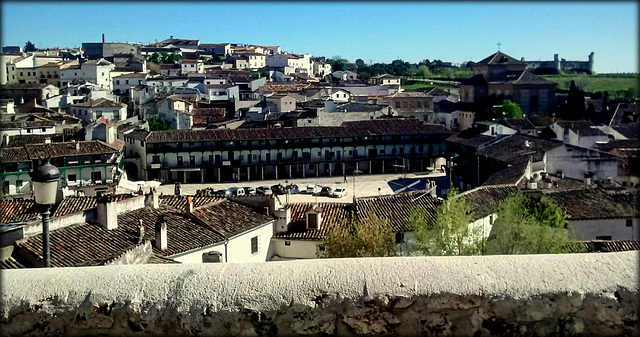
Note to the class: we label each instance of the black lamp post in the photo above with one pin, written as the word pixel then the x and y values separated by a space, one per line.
pixel 45 187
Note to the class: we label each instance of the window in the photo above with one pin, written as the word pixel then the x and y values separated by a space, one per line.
pixel 96 176
pixel 192 160
pixel 71 177
pixel 117 81
pixel 603 237
pixel 312 221
pixel 254 245
pixel 287 243
pixel 156 159
pixel 126 81
pixel 629 222
pixel 18 183
pixel 28 130
pixel 179 160
pixel 399 237
pixel 44 130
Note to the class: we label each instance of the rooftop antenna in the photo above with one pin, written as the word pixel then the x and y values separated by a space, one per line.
pixel 499 44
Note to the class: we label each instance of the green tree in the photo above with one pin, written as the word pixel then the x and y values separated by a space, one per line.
pixel 30 47
pixel 575 103
pixel 163 58
pixel 450 233
pixel 510 109
pixel 158 125
pixel 423 71
pixel 525 226
pixel 368 237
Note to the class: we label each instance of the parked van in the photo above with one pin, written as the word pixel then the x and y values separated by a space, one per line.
pixel 311 189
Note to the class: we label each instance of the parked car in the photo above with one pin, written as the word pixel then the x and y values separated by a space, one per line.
pixel 326 191
pixel 249 191
pixel 264 190
pixel 278 189
pixel 339 192
pixel 311 189
pixel 292 189
pixel 234 192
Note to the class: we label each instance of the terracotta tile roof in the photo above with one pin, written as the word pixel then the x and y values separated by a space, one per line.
pixel 629 130
pixel 90 244
pixel 500 58
pixel 13 155
pixel 517 123
pixel 470 137
pixel 229 218
pixel 99 103
pixel 583 128
pixel 180 201
pixel 27 123
pixel 474 80
pixel 285 87
pixel 10 263
pixel 591 203
pixel 18 210
pixel 411 94
pixel 72 204
pixel 81 244
pixel 484 200
pixel 347 129
pixel 513 149
pixel 527 77
pixel 333 214
pixel 21 140
pixel 397 208
pixel 512 175
pixel 52 150
pixel 606 246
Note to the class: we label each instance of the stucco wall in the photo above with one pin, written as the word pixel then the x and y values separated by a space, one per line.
pixel 543 295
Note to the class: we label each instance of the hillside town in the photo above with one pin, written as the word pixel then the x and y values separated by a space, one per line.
pixel 185 151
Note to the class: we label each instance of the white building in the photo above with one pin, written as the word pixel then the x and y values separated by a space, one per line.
pixel 92 109
pixel 290 63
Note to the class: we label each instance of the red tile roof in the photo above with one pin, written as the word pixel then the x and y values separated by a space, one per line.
pixel 347 129
pixel 18 210
pixel 333 214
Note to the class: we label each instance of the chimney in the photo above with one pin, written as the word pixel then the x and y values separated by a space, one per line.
pixel 161 233
pixel 107 214
pixel 103 38
pixel 152 198
pixel 140 232
pixel 189 206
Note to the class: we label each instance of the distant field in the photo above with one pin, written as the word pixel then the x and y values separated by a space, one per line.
pixel 616 85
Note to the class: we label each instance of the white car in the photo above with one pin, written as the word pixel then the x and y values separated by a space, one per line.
pixel 339 192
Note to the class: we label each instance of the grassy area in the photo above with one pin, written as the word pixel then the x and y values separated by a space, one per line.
pixel 616 85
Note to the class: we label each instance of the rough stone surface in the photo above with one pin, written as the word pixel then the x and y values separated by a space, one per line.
pixel 527 295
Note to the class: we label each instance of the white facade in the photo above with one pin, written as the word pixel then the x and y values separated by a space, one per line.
pixel 295 249
pixel 576 162
pixel 97 72
pixel 89 112
pixel 572 137
pixel 190 66
pixel 124 83
pixel 238 249
pixel 291 63
pixel 606 229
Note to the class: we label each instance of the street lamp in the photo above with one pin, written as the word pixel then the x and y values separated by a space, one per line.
pixel 354 184
pixel 45 188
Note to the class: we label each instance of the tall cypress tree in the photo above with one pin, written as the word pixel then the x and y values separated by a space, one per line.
pixel 575 103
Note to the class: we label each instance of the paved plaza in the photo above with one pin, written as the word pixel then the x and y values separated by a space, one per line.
pixel 364 185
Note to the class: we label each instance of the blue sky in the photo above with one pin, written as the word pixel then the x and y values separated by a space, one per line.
pixel 373 31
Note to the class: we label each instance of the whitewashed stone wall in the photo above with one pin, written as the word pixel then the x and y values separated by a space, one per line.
pixel 525 295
